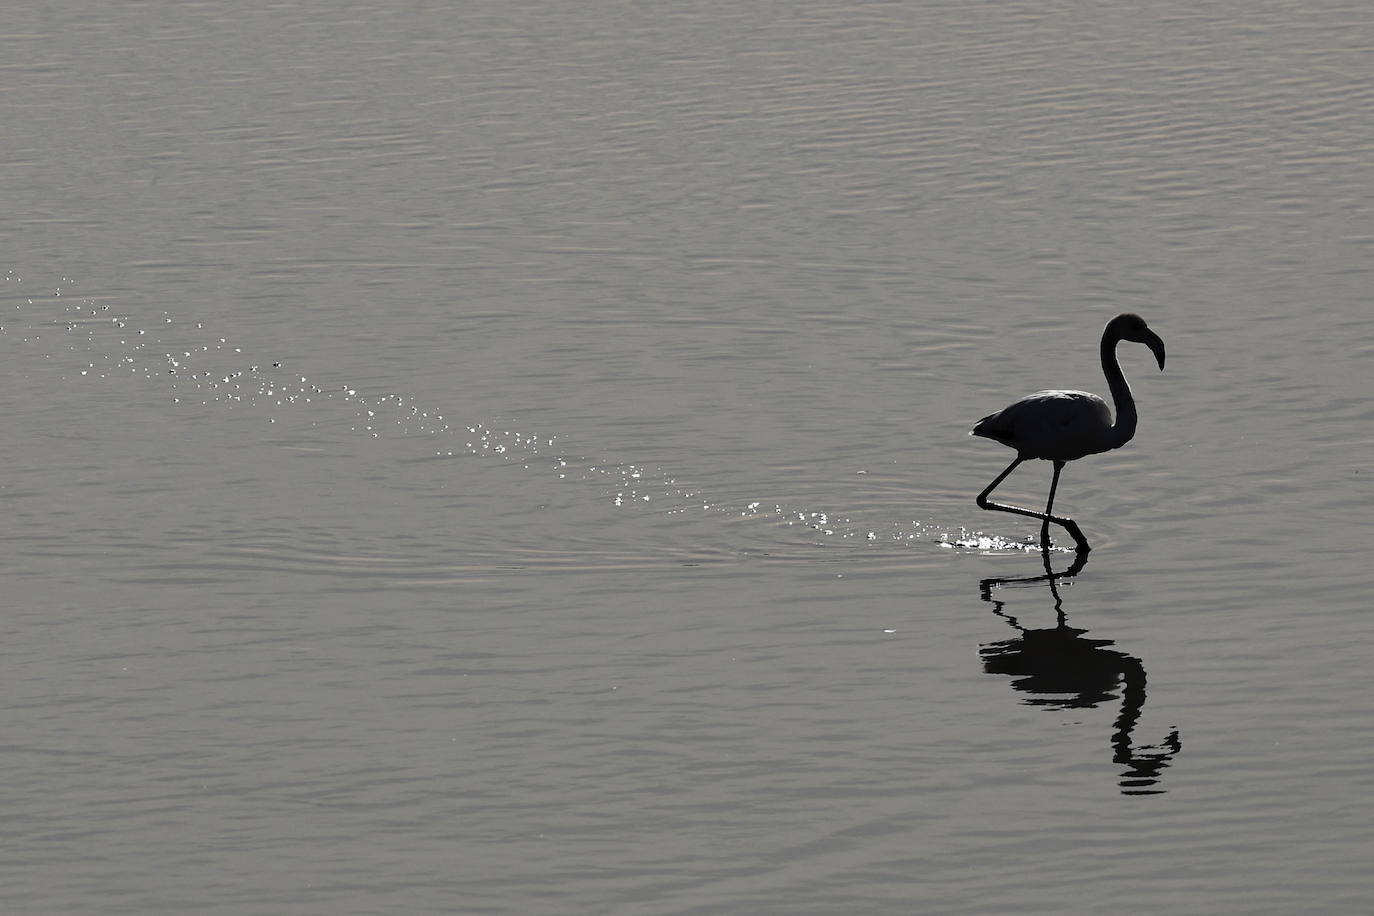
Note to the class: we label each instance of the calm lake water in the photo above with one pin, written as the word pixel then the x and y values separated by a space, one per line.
pixel 513 458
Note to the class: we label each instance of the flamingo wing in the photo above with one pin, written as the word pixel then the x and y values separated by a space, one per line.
pixel 1056 425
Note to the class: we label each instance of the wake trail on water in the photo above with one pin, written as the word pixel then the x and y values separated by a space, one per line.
pixel 195 367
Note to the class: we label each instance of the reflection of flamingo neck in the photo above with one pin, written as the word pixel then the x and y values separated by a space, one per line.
pixel 1145 765
pixel 1132 704
pixel 1122 399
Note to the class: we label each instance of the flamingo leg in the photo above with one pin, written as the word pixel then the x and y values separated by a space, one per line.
pixel 1049 505
pixel 1068 524
pixel 983 502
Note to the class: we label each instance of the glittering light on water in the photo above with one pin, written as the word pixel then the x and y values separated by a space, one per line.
pixel 170 354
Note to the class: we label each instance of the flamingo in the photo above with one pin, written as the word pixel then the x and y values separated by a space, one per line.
pixel 1062 426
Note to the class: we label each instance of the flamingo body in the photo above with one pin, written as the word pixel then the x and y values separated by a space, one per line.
pixel 1056 425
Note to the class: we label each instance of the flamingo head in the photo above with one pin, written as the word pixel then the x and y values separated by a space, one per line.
pixel 1133 328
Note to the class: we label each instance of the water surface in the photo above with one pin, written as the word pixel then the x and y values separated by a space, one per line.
pixel 509 458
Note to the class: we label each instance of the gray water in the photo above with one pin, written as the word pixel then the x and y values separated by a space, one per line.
pixel 513 458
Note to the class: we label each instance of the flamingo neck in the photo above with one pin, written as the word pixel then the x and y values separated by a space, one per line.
pixel 1124 427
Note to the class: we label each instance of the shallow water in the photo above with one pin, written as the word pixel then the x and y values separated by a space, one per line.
pixel 514 459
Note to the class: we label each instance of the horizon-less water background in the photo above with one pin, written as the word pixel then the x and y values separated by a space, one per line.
pixel 512 458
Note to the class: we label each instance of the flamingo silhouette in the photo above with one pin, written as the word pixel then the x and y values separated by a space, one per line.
pixel 1061 426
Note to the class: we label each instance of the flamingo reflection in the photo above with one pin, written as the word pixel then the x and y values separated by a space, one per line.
pixel 1060 668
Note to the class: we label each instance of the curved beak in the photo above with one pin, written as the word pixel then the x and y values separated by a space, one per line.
pixel 1156 346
